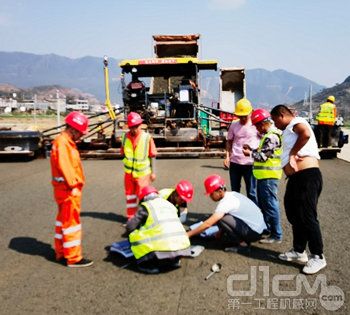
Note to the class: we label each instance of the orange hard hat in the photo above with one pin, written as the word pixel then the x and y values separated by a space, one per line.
pixel 259 114
pixel 146 191
pixel 134 119
pixel 212 183
pixel 78 121
pixel 185 190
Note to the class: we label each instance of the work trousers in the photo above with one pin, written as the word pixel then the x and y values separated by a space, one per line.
pixel 133 186
pixel 268 203
pixel 238 171
pixel 300 201
pixel 325 135
pixel 68 232
pixel 237 230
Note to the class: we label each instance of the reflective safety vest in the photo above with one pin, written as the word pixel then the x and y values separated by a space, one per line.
pixel 326 114
pixel 137 161
pixel 162 230
pixel 272 168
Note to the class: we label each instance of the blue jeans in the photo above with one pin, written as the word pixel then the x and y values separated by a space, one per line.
pixel 268 202
pixel 238 171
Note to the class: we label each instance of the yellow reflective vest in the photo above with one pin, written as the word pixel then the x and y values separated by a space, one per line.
pixel 326 114
pixel 272 168
pixel 137 161
pixel 162 230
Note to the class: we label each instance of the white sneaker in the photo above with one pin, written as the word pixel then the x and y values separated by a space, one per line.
pixel 292 255
pixel 315 264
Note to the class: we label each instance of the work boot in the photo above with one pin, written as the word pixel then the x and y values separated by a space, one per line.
pixel 315 264
pixel 293 255
pixel 82 263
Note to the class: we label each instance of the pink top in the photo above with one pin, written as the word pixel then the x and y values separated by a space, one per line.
pixel 240 135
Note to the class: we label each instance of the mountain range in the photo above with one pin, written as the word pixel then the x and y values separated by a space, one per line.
pixel 264 88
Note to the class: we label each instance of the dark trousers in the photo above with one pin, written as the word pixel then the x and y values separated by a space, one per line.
pixel 238 171
pixel 237 230
pixel 300 202
pixel 325 135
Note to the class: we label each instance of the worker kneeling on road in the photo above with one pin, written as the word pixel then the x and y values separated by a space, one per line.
pixel 157 238
pixel 179 196
pixel 68 181
pixel 236 215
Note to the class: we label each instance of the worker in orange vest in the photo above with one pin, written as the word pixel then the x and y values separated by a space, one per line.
pixel 326 119
pixel 139 160
pixel 68 181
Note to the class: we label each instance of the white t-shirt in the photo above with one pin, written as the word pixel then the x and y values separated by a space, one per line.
pixel 243 208
pixel 289 138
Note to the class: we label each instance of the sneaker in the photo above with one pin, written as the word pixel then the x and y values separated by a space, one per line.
pixel 148 269
pixel 176 264
pixel 315 264
pixel 82 263
pixel 270 240
pixel 62 261
pixel 292 255
pixel 238 249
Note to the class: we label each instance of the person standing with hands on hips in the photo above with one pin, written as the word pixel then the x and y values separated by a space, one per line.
pixel 139 160
pixel 242 132
pixel 68 181
pixel 267 169
pixel 300 162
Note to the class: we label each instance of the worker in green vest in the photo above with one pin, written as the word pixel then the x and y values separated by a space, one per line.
pixel 267 169
pixel 326 118
pixel 179 196
pixel 156 235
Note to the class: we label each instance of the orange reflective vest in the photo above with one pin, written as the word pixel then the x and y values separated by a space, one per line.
pixel 66 168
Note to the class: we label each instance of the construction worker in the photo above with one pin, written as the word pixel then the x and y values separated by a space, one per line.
pixel 300 162
pixel 139 160
pixel 68 181
pixel 267 169
pixel 326 118
pixel 235 214
pixel 101 130
pixel 157 238
pixel 179 196
pixel 242 132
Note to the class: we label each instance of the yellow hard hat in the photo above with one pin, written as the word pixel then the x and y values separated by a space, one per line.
pixel 243 107
pixel 100 119
pixel 331 98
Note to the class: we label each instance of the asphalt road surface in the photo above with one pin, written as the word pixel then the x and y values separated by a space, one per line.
pixel 32 283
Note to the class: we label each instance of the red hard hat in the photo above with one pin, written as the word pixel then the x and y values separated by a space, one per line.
pixel 259 114
pixel 134 119
pixel 78 121
pixel 146 191
pixel 212 183
pixel 185 190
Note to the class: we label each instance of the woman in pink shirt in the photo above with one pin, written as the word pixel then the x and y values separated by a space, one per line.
pixel 242 132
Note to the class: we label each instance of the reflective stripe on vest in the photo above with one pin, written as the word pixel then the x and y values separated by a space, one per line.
pixel 272 168
pixel 165 194
pixel 137 161
pixel 326 114
pixel 162 230
pixel 57 179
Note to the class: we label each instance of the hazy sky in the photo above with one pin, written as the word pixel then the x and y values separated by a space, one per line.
pixel 310 38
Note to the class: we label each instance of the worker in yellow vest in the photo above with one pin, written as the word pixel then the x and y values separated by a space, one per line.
pixel 267 169
pixel 139 160
pixel 157 237
pixel 179 196
pixel 326 118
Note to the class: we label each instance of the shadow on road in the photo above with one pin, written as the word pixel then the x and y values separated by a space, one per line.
pixel 105 216
pixel 214 166
pixel 31 246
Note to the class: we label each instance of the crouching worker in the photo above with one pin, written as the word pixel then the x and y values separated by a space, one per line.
pixel 179 196
pixel 236 215
pixel 157 237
